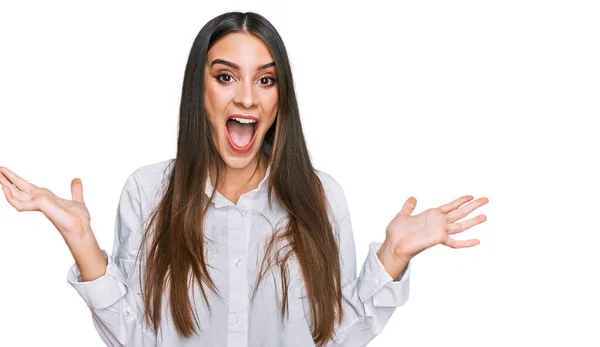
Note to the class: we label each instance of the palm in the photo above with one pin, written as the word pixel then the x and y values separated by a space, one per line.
pixel 68 216
pixel 72 215
pixel 411 235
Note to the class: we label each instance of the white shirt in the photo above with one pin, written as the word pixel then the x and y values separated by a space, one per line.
pixel 238 231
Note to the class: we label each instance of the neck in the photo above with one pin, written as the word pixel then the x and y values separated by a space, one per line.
pixel 239 181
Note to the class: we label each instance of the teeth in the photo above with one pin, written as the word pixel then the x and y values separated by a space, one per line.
pixel 244 121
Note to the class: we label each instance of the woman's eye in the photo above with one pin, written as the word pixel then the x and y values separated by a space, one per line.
pixel 224 78
pixel 265 81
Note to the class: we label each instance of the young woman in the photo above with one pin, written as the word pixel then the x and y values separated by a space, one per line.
pixel 238 241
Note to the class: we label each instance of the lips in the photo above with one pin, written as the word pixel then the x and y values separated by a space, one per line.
pixel 237 115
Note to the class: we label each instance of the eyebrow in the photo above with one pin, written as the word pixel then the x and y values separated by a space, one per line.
pixel 236 66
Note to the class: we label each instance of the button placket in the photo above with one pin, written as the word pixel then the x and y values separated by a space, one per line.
pixel 238 282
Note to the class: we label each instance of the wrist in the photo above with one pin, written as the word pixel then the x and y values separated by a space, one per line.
pixel 393 263
pixel 87 255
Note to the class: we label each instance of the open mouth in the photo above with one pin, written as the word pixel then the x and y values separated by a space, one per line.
pixel 241 132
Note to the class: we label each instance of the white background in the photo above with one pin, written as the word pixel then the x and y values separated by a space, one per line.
pixel 434 99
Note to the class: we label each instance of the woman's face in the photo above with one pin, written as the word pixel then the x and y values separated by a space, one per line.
pixel 240 81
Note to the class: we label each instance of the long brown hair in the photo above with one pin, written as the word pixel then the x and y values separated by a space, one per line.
pixel 177 244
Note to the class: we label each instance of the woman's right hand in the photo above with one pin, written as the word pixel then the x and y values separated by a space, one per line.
pixel 70 217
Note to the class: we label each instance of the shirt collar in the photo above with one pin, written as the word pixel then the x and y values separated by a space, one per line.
pixel 255 199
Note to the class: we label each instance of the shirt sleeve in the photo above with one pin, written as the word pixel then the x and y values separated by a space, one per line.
pixel 370 299
pixel 114 299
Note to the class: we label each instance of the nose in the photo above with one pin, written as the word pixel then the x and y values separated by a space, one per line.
pixel 246 94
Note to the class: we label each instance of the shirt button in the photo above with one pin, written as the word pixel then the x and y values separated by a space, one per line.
pixel 238 261
pixel 244 212
pixel 238 319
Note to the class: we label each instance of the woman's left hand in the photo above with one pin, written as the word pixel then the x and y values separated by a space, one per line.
pixel 407 236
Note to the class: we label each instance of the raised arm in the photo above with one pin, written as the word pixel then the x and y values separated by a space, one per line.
pixel 108 285
pixel 70 217
pixel 115 299
pixel 370 299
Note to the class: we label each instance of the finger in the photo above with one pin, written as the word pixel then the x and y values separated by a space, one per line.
pixel 455 204
pixel 16 193
pixel 19 182
pixel 454 228
pixel 3 180
pixel 465 210
pixel 450 242
pixel 77 190
pixel 18 204
pixel 409 206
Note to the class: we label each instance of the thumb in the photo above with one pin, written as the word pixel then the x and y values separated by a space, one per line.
pixel 408 207
pixel 77 190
